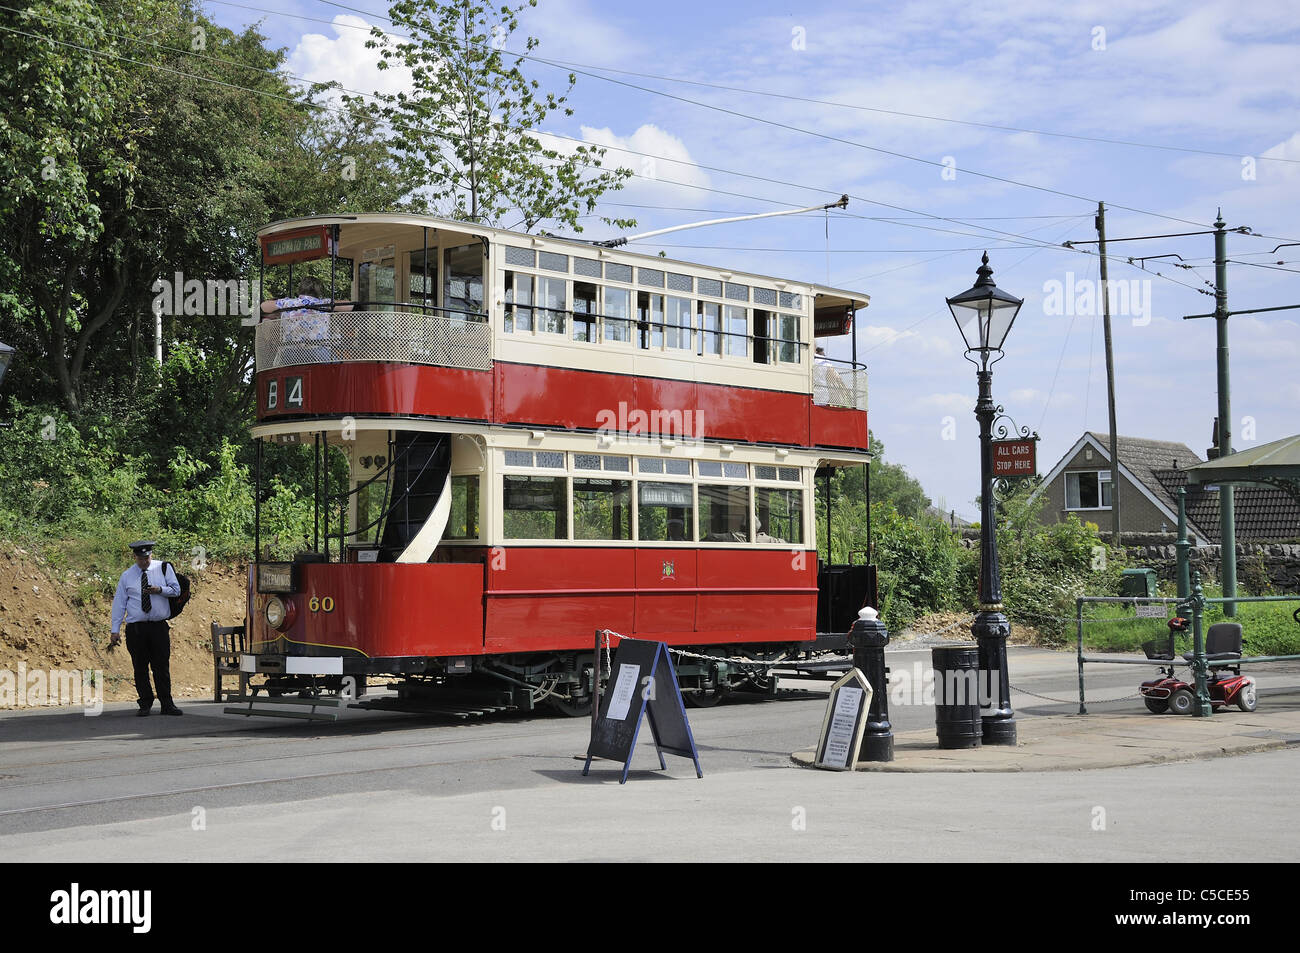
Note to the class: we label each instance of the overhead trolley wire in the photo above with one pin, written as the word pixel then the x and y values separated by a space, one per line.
pixel 409 128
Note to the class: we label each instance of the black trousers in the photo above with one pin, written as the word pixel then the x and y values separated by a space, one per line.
pixel 150 644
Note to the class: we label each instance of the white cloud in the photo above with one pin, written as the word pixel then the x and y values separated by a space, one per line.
pixel 650 152
pixel 344 58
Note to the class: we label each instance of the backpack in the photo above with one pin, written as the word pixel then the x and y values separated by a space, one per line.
pixel 178 603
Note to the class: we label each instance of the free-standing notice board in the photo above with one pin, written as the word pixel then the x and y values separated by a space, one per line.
pixel 642 682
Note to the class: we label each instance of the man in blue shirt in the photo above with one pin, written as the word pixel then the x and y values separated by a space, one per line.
pixel 142 600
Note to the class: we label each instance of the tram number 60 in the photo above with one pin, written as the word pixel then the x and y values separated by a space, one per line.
pixel 318 604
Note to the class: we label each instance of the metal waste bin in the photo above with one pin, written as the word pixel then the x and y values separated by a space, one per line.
pixel 956 694
pixel 1138 582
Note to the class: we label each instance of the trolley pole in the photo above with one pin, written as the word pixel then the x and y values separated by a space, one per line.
pixel 1227 515
pixel 1110 376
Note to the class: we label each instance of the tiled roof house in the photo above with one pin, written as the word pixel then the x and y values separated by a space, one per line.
pixel 1150 473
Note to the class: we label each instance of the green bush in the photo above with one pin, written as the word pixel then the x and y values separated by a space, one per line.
pixel 1046 567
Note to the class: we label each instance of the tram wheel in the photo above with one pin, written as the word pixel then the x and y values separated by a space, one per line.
pixel 578 709
pixel 704 697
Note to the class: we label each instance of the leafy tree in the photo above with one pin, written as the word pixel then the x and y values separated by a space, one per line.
pixel 469 131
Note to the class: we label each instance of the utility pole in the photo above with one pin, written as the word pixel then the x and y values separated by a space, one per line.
pixel 1227 515
pixel 1110 378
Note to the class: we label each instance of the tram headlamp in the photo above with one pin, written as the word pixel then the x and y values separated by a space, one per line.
pixel 279 614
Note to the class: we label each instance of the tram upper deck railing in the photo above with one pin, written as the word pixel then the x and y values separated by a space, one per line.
pixel 444 337
pixel 439 337
pixel 839 383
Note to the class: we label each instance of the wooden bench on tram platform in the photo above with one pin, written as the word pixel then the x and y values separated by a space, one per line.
pixel 227 647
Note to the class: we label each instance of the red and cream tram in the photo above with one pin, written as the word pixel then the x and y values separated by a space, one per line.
pixel 518 440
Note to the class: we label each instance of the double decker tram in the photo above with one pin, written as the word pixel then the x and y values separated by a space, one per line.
pixel 519 440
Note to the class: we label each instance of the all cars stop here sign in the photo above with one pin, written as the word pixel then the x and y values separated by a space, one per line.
pixel 1014 458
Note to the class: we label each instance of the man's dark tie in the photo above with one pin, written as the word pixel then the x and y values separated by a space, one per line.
pixel 146 604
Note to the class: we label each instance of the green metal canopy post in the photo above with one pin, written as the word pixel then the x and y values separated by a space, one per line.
pixel 1183 545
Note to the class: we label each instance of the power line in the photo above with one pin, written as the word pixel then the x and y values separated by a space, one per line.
pixel 856 106
pixel 408 128
pixel 759 119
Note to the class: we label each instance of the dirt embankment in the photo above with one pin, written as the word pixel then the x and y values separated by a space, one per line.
pixel 44 626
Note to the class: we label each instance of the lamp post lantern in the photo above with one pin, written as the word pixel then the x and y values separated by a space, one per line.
pixel 6 356
pixel 984 315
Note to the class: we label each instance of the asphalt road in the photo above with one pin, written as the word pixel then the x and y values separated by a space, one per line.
pixel 378 785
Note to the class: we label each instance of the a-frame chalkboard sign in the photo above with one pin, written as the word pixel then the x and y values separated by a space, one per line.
pixel 642 681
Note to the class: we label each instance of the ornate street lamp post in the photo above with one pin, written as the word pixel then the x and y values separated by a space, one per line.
pixel 984 316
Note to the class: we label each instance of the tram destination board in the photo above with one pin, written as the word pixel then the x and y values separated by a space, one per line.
pixel 643 682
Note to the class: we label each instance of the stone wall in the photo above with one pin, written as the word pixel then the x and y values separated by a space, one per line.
pixel 1260 566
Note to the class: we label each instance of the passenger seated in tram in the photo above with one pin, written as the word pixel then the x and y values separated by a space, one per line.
pixel 677 531
pixel 304 319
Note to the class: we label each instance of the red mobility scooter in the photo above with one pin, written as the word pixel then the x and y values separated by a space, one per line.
pixel 1171 693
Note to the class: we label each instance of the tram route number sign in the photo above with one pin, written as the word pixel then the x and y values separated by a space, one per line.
pixel 1015 458
pixel 845 723
pixel 643 683
pixel 285 394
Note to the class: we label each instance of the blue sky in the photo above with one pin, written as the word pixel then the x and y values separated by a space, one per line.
pixel 1218 77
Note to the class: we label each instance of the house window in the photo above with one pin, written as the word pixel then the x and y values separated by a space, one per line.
pixel 1087 490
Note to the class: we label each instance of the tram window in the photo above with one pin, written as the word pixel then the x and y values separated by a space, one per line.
pixel 665 512
pixel 586 461
pixel 552 302
pixel 790 473
pixel 617 464
pixel 724 514
pixel 463 268
pixel 678 320
pixel 780 514
pixel 519 299
pixel 761 332
pixel 587 267
pixel 463 521
pixel 765 296
pixel 519 458
pixel 709 286
pixel 551 459
pixel 378 284
pixel 650 319
pixel 421 288
pixel 737 292
pixel 736 471
pixel 790 300
pixel 737 320
pixel 788 346
pixel 709 468
pixel 618 314
pixel 584 311
pixel 677 467
pixel 710 327
pixel 764 472
pixel 553 262
pixel 650 465
pixel 602 509
pixel 534 507
pixel 617 272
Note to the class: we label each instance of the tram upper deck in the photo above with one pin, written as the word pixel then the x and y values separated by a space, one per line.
pixel 442 319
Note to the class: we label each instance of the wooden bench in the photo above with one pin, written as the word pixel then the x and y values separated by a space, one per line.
pixel 227 648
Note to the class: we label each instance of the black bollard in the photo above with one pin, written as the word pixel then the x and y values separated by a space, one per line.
pixel 869 638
